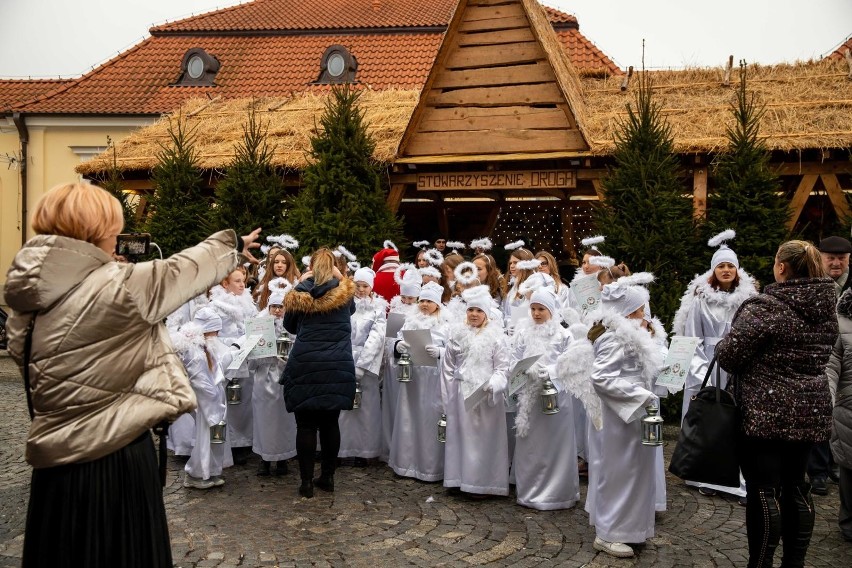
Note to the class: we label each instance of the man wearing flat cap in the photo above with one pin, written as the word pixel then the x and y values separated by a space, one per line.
pixel 835 259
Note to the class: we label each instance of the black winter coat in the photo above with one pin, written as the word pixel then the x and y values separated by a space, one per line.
pixel 320 373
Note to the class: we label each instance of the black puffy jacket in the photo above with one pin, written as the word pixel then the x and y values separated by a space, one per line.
pixel 320 373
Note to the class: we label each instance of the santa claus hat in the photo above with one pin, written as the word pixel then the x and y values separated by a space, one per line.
pixel 383 256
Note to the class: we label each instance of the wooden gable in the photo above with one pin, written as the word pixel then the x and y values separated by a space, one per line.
pixel 501 87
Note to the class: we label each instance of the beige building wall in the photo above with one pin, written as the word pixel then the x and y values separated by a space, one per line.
pixel 57 145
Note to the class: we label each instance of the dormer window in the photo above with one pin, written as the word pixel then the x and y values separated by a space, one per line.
pixel 198 68
pixel 337 66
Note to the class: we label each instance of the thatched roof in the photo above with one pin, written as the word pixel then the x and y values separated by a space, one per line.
pixel 808 105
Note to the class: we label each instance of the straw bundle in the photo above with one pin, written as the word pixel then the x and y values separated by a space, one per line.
pixel 808 105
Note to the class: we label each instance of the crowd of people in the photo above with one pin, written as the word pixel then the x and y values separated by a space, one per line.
pixel 447 369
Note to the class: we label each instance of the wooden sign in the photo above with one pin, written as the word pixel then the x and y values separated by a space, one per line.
pixel 525 179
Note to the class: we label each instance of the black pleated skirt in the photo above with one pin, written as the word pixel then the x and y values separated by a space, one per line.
pixel 108 512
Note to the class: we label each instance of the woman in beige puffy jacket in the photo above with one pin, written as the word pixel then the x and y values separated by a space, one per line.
pixel 102 373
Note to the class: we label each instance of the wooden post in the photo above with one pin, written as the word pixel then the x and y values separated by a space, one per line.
pixel 596 183
pixel 806 185
pixel 395 195
pixel 699 193
pixel 566 215
pixel 837 197
pixel 727 80
pixel 443 220
pixel 491 222
pixel 626 80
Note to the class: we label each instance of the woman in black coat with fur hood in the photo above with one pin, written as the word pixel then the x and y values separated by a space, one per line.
pixel 319 378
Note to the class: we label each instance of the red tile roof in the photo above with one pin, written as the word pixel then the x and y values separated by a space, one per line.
pixel 269 15
pixel 256 63
pixel 840 52
pixel 16 91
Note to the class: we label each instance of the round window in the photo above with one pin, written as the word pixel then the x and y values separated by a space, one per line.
pixel 336 64
pixel 195 67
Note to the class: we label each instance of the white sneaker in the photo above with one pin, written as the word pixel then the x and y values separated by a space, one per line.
pixel 617 549
pixel 217 481
pixel 197 483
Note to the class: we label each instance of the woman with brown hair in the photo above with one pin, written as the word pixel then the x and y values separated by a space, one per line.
pixel 88 333
pixel 522 264
pixel 489 275
pixel 319 378
pixel 549 266
pixel 279 264
pixel 777 351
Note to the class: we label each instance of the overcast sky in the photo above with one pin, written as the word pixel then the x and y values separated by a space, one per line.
pixel 49 38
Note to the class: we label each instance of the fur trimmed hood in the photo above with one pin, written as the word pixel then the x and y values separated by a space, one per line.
pixel 701 287
pixel 302 300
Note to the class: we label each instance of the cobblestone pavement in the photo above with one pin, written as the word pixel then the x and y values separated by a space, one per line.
pixel 375 519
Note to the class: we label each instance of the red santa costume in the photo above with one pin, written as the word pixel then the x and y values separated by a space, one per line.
pixel 385 262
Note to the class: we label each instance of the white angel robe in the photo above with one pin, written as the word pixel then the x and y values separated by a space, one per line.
pixel 390 386
pixel 207 460
pixel 476 454
pixel 274 431
pixel 234 311
pixel 181 436
pixel 414 449
pixel 545 459
pixel 361 428
pixel 707 313
pixel 622 482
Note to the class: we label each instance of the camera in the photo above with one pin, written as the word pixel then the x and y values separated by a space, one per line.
pixel 133 245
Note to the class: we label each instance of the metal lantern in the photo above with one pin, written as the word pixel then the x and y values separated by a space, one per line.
pixel 356 402
pixel 442 429
pixel 284 344
pixel 403 375
pixel 652 427
pixel 217 433
pixel 549 403
pixel 234 392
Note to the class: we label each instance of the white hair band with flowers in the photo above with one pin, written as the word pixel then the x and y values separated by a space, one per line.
pixel 484 243
pixel 466 273
pixel 721 238
pixel 602 261
pixel 531 264
pixel 345 252
pixel 389 245
pixel 421 244
pixel 514 246
pixel 434 257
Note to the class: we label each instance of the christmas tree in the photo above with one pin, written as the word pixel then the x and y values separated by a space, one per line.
pixel 179 205
pixel 644 215
pixel 746 194
pixel 111 181
pixel 343 198
pixel 251 193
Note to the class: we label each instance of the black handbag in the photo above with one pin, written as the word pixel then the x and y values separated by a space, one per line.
pixel 706 450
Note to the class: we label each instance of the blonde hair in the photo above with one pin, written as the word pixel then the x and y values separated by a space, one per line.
pixel 322 265
pixel 239 268
pixel 80 211
pixel 803 259
pixel 550 261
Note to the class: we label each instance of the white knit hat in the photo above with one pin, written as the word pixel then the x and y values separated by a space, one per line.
pixel 408 281
pixel 547 298
pixel 208 319
pixel 723 254
pixel 623 299
pixel 478 297
pixel 431 291
pixel 365 275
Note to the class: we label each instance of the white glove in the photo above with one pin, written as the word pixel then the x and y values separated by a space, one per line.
pixel 541 371
pixel 434 351
pixel 496 384
pixel 359 373
pixel 510 330
pixel 402 347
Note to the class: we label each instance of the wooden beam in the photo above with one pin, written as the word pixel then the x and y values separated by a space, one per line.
pixel 495 118
pixel 491 157
pixel 837 197
pixel 596 182
pixel 494 24
pixel 395 195
pixel 521 74
pixel 818 168
pixel 517 95
pixel 473 142
pixel 699 193
pixel 490 56
pixel 566 215
pixel 806 185
pixel 491 221
pixel 496 38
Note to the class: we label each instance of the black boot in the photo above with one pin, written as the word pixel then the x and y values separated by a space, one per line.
pixel 263 468
pixel 325 482
pixel 306 489
pixel 763 526
pixel 281 467
pixel 797 524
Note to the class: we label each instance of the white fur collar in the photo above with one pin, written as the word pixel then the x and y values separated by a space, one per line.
pixel 397 307
pixel 367 308
pixel 237 308
pixel 636 342
pixel 537 338
pixel 477 348
pixel 700 287
pixel 419 320
pixel 187 337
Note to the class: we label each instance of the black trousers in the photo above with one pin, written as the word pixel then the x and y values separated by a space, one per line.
pixel 773 463
pixel 820 461
pixel 844 519
pixel 308 423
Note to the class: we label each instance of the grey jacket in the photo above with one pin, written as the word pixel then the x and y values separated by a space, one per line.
pixel 102 366
pixel 839 372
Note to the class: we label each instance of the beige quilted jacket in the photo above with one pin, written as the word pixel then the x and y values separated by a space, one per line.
pixel 102 367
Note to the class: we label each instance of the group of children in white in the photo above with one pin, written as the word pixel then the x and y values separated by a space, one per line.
pixel 463 416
